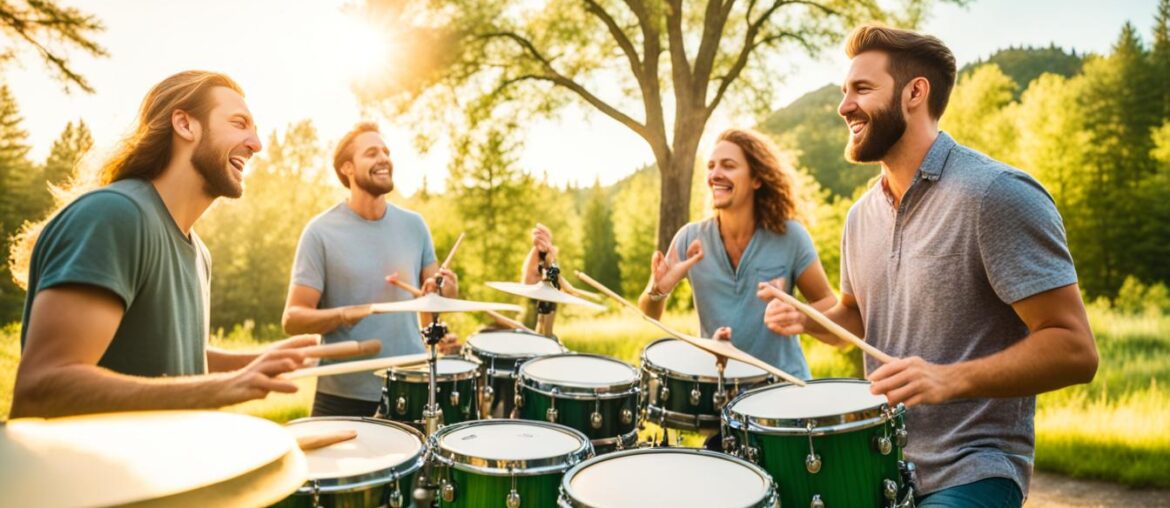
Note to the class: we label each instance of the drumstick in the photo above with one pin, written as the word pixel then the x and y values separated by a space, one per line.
pixel 315 441
pixel 357 366
pixel 568 288
pixel 451 253
pixel 829 325
pixel 720 348
pixel 344 349
pixel 495 315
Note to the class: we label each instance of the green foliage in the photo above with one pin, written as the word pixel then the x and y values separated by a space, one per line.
pixel 1024 64
pixel 16 176
pixel 1136 298
pixel 51 30
pixel 981 112
pixel 601 257
pixel 635 224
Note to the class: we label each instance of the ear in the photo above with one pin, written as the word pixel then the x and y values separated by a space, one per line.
pixel 347 169
pixel 756 183
pixel 919 93
pixel 184 125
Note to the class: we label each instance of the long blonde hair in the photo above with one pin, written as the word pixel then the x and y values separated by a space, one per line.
pixel 142 154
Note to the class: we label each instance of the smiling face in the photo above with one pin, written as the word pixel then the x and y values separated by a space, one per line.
pixel 228 140
pixel 371 169
pixel 730 177
pixel 872 108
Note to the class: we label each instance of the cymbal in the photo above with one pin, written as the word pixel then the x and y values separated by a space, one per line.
pixel 152 458
pixel 434 303
pixel 544 292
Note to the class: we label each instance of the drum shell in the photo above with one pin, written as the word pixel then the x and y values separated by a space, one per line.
pixel 415 390
pixel 676 410
pixel 475 490
pixel 499 371
pixel 576 405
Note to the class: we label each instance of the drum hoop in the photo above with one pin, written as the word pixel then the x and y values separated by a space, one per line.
pixel 664 371
pixel 568 390
pixel 681 420
pixel 501 467
pixel 359 482
pixel 568 497
pixel 821 425
pixel 423 376
pixel 479 353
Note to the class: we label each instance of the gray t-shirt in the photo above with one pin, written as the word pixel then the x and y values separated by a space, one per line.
pixel 936 278
pixel 727 297
pixel 347 259
pixel 122 238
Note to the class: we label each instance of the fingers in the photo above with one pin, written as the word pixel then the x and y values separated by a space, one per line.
pixel 392 278
pixel 783 319
pixel 695 249
pixel 273 384
pixel 298 341
pixel 723 333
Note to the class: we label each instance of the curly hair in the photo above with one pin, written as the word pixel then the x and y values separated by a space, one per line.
pixel 775 200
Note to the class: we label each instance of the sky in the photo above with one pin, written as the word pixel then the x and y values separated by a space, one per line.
pixel 296 60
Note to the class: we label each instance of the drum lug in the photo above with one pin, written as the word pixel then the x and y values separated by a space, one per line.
pixel 664 393
pixel 812 463
pixel 890 490
pixel 447 490
pixel 901 437
pixel 728 443
pixel 513 500
pixel 395 499
pixel 752 454
pixel 883 445
pixel 400 405
pixel 316 494
pixel 489 395
pixel 551 415
pixel 816 502
pixel 454 397
pixel 594 420
pixel 719 398
pixel 627 416
pixel 696 395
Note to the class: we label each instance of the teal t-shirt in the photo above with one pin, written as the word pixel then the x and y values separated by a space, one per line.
pixel 122 238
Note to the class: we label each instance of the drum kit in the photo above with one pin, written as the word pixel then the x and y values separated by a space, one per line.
pixel 516 421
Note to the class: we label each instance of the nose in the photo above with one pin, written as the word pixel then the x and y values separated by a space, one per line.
pixel 253 142
pixel 847 106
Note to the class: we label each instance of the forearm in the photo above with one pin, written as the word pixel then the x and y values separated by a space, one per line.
pixel 222 360
pixel 81 389
pixel 529 272
pixel 650 307
pixel 301 320
pixel 847 317
pixel 1048 359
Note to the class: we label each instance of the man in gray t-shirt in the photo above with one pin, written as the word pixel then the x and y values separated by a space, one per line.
pixel 344 260
pixel 956 265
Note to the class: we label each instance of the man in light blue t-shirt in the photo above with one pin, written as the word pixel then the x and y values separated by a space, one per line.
pixel 344 261
pixel 752 238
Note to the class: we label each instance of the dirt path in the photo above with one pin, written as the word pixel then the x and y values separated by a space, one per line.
pixel 1052 491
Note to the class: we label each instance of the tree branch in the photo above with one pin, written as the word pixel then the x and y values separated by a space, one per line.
pixel 618 35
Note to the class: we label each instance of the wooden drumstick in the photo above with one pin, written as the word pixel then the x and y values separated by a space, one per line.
pixel 828 324
pixel 315 441
pixel 344 349
pixel 451 253
pixel 720 348
pixel 356 366
pixel 506 321
pixel 568 288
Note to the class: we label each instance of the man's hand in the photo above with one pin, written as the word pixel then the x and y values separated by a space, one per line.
pixel 914 381
pixel 724 334
pixel 259 377
pixel 449 345
pixel 780 317
pixel 667 271
pixel 450 284
pixel 542 241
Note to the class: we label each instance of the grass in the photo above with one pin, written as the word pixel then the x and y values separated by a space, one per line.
pixel 1117 428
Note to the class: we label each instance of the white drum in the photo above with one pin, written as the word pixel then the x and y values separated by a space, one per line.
pixel 682 387
pixel 675 477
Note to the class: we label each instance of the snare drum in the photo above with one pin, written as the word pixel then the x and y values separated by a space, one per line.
pixel 681 385
pixel 377 468
pixel 675 477
pixel 594 394
pixel 501 352
pixel 405 393
pixel 831 443
pixel 490 463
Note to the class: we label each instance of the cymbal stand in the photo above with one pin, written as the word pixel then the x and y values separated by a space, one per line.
pixel 546 311
pixel 432 414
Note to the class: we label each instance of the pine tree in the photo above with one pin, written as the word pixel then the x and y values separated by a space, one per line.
pixel 15 170
pixel 601 257
pixel 1160 56
pixel 60 166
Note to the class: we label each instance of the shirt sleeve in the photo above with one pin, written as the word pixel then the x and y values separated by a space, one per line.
pixel 309 262
pixel 1022 239
pixel 100 241
pixel 805 252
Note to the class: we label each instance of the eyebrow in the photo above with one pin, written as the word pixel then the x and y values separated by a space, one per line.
pixel 243 116
pixel 858 82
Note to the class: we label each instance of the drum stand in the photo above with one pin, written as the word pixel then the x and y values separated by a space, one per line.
pixel 424 492
pixel 546 311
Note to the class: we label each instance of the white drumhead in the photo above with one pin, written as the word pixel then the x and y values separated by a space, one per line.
pixel 445 366
pixel 579 370
pixel 376 447
pixel 514 344
pixel 510 441
pixel 668 479
pixel 686 359
pixel 822 398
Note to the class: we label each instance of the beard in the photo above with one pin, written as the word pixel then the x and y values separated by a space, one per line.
pixel 369 185
pixel 218 180
pixel 885 129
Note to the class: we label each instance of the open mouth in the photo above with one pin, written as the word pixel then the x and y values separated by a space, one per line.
pixel 238 162
pixel 383 170
pixel 857 126
pixel 721 188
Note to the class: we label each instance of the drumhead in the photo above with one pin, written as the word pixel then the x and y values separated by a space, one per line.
pixel 579 370
pixel 512 344
pixel 513 440
pixel 378 446
pixel 676 478
pixel 446 366
pixel 678 356
pixel 825 397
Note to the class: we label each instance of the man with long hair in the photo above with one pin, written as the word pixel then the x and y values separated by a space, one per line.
pixel 753 236
pixel 957 265
pixel 116 317
pixel 344 261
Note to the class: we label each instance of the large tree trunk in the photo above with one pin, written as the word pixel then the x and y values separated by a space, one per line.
pixel 674 204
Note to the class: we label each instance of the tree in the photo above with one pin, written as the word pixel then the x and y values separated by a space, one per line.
pixel 59 168
pixel 51 30
pixel 601 257
pixel 634 225
pixel 1160 55
pixel 677 62
pixel 978 113
pixel 15 174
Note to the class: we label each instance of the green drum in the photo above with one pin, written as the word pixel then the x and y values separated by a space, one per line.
pixel 456 389
pixel 682 389
pixel 501 352
pixel 594 394
pixel 831 443
pixel 498 463
pixel 376 468
pixel 675 477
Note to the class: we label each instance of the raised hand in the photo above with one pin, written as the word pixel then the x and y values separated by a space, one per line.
pixel 667 271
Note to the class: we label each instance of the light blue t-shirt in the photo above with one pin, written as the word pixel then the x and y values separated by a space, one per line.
pixel 727 297
pixel 347 259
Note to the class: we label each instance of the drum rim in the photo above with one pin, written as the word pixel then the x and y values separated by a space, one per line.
pixel 423 376
pixel 363 481
pixel 568 390
pixel 477 353
pixel 820 425
pixel 499 467
pixel 568 498
pixel 664 371
pixel 677 420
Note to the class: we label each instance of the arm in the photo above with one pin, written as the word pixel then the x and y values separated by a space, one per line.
pixel 301 314
pixel 1058 351
pixel 224 360
pixel 785 319
pixel 58 373
pixel 666 271
pixel 541 242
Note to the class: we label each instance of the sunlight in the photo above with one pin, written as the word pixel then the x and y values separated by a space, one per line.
pixel 363 51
